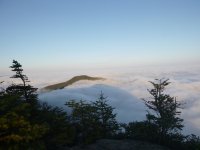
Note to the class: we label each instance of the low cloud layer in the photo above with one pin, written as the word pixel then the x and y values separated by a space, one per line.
pixel 121 100
pixel 125 88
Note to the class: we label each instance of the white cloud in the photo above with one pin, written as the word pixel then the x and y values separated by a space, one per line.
pixel 126 87
pixel 121 100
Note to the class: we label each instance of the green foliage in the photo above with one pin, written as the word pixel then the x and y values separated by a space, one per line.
pixel 192 142
pixel 60 132
pixel 93 120
pixel 106 118
pixel 84 120
pixel 27 124
pixel 16 129
pixel 141 131
pixel 162 125
pixel 165 109
pixel 27 91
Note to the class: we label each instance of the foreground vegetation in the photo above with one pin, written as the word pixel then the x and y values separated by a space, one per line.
pixel 26 123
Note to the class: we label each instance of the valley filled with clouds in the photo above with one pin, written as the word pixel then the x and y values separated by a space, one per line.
pixel 125 88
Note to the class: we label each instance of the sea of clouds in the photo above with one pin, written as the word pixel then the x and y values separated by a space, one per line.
pixel 125 88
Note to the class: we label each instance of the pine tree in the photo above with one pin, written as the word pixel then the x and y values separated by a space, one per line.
pixel 84 120
pixel 25 90
pixel 165 109
pixel 93 120
pixel 105 115
pixel 18 129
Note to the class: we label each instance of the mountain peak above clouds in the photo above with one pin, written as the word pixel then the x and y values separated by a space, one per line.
pixel 70 82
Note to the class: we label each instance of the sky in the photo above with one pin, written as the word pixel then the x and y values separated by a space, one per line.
pixel 84 34
pixel 64 34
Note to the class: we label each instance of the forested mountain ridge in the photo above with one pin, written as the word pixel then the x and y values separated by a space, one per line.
pixel 70 82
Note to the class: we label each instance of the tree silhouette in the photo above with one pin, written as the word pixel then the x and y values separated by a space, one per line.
pixel 27 91
pixel 84 120
pixel 165 109
pixel 18 129
pixel 93 120
pixel 105 115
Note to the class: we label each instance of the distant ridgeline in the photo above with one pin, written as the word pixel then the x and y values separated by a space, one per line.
pixel 70 82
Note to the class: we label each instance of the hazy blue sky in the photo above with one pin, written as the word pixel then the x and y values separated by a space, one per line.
pixel 98 33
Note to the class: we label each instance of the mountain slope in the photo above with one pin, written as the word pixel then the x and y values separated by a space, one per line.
pixel 70 82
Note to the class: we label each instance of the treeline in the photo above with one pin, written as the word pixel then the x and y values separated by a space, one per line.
pixel 26 123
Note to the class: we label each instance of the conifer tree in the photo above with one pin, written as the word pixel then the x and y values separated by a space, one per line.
pixel 18 129
pixel 164 109
pixel 93 120
pixel 84 120
pixel 105 115
pixel 27 91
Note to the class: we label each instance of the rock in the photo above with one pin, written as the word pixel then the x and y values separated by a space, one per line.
pixel 107 144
